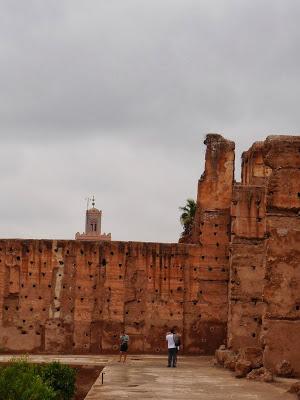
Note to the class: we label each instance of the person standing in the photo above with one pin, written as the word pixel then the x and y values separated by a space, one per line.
pixel 172 348
pixel 124 339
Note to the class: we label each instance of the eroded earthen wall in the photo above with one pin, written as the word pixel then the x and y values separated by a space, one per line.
pixel 75 297
pixel 247 266
pixel 211 228
pixel 264 288
pixel 281 293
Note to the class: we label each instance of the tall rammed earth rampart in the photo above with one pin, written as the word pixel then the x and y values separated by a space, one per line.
pixel 235 279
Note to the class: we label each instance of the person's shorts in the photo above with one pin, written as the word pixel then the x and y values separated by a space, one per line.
pixel 124 347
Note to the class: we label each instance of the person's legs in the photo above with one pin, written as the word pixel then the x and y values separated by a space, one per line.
pixel 173 358
pixel 169 357
pixel 125 356
pixel 120 356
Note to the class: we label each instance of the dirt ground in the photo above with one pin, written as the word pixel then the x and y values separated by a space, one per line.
pixel 85 378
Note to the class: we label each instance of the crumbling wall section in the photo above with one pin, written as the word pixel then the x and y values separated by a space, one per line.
pixel 281 322
pixel 264 288
pixel 211 230
pixel 254 169
pixel 247 266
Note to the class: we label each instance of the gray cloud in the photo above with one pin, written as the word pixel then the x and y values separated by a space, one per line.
pixel 114 98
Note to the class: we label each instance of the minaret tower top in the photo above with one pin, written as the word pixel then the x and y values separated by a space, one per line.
pixel 92 225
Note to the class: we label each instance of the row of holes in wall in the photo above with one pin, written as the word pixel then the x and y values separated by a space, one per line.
pixel 194 302
pixel 104 262
pixel 195 269
pixel 67 252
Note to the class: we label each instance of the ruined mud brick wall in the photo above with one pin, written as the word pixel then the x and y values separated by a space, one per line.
pixel 75 297
pixel 254 169
pixel 264 286
pixel 211 228
pixel 281 293
pixel 247 266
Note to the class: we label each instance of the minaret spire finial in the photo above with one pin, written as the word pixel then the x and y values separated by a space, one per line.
pixel 93 201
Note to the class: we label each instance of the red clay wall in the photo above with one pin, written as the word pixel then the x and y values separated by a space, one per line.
pixel 264 288
pixel 72 296
pixel 281 322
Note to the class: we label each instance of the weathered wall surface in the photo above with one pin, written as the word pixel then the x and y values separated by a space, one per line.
pixel 281 293
pixel 264 286
pixel 75 297
pixel 211 228
pixel 247 266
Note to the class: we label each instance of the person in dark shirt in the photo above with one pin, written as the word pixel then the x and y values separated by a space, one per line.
pixel 124 339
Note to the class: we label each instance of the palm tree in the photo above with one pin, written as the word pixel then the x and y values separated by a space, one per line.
pixel 188 215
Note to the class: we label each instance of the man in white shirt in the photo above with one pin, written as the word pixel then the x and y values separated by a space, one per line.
pixel 172 349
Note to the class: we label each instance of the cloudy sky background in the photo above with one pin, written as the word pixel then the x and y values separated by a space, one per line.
pixel 114 98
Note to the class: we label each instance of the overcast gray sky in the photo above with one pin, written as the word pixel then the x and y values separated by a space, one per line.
pixel 114 97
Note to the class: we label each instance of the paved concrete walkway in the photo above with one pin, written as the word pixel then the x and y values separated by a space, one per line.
pixel 194 378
